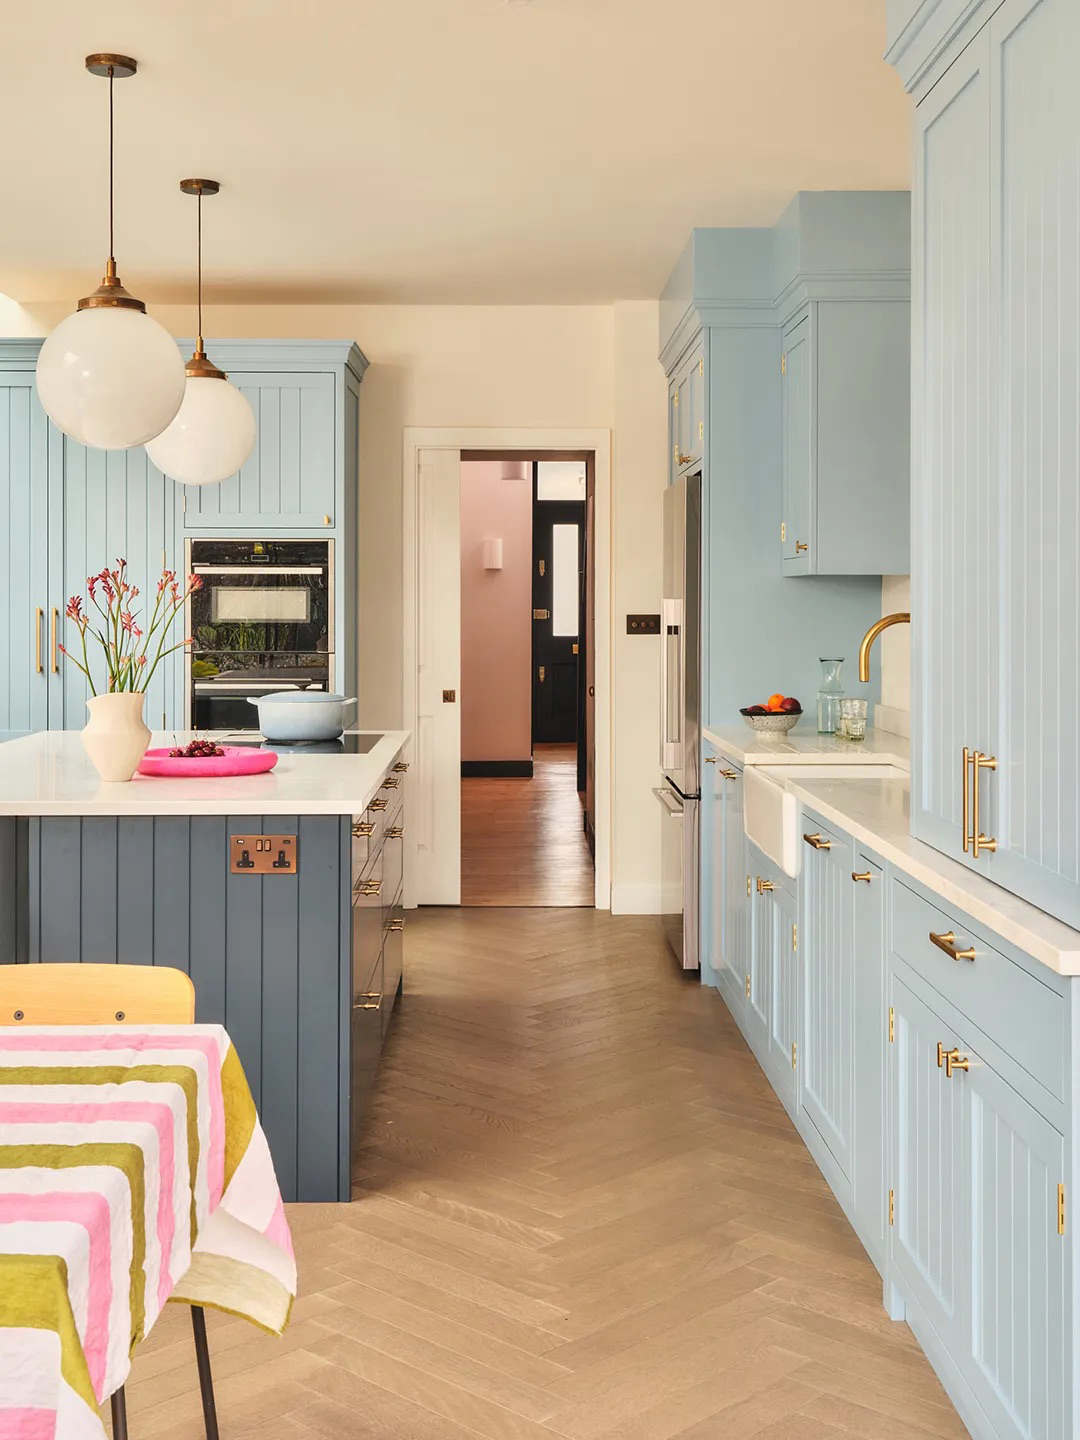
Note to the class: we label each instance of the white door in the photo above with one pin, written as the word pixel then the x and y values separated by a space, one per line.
pixel 436 783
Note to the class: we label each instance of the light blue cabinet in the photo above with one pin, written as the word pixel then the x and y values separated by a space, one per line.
pixel 728 887
pixel 772 982
pixel 827 1070
pixel 687 412
pixel 795 386
pixel 997 462
pixel 759 969
pixel 24 556
pixel 870 1048
pixel 289 481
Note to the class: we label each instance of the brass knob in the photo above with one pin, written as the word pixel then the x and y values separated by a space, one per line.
pixel 326 520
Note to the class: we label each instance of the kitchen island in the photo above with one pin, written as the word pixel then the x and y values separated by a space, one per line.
pixel 300 960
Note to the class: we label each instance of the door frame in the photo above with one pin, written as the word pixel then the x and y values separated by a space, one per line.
pixel 551 442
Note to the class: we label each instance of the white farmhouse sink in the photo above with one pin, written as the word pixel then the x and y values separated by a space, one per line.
pixel 771 811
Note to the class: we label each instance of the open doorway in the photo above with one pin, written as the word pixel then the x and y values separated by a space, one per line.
pixel 527 715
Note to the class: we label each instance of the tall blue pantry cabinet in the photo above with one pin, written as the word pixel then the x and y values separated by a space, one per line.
pixel 70 510
pixel 996 458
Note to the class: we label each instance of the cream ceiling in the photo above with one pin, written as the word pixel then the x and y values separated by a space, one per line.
pixel 430 150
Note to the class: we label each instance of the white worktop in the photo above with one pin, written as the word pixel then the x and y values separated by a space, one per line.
pixel 49 774
pixel 803 745
pixel 877 813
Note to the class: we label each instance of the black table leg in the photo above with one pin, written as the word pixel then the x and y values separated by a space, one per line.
pixel 118 1403
pixel 206 1380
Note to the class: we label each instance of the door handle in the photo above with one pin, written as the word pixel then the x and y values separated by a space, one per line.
pixel 55 653
pixel 39 616
pixel 947 942
pixel 966 800
pixel 979 841
pixel 801 546
pixel 953 1061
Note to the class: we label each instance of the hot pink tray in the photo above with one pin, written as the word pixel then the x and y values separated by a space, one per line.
pixel 235 761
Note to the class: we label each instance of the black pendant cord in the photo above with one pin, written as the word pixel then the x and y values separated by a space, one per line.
pixel 112 250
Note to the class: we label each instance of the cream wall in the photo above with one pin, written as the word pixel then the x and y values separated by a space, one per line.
pixel 556 367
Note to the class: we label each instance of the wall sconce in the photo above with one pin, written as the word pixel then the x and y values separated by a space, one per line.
pixel 493 555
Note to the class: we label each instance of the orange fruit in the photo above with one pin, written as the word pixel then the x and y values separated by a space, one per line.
pixel 774 702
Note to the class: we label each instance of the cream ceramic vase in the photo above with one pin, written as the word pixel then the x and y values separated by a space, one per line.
pixel 115 737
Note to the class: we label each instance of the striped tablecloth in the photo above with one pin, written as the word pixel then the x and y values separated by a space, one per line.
pixel 133 1170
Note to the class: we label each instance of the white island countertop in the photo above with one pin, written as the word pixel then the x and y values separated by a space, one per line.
pixel 48 773
pixel 877 813
pixel 804 746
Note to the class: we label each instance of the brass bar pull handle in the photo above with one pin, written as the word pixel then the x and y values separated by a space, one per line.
pixel 401 767
pixel 817 842
pixel 710 759
pixel 730 774
pixel 947 942
pixel 379 804
pixel 955 1061
pixel 682 459
pixel 979 841
pixel 865 875
pixel 763 885
pixel 390 783
pixel 39 616
pixel 940 1054
pixel 55 652
pixel 395 832
pixel 364 827
pixel 369 1002
pixel 801 546
pixel 967 801
pixel 373 887
pixel 397 926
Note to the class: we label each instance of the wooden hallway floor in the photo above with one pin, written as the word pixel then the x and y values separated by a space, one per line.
pixel 522 841
pixel 580 1213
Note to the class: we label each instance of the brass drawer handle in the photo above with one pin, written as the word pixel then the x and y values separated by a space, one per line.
pixel 390 783
pixel 379 804
pixel 979 841
pixel 730 774
pixel 953 1061
pixel 763 885
pixel 39 616
pixel 710 759
pixel 801 546
pixel 864 875
pixel 397 926
pixel 395 832
pixel 55 667
pixel 370 887
pixel 370 1002
pixel 364 827
pixel 947 942
pixel 401 767
pixel 817 842
pixel 682 459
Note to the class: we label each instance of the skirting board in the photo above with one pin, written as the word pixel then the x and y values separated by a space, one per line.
pixel 497 769
pixel 635 899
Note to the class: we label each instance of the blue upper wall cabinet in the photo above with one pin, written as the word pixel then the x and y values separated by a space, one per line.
pixel 996 474
pixel 70 511
pixel 730 313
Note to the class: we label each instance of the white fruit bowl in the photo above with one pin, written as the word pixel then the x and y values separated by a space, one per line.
pixel 777 723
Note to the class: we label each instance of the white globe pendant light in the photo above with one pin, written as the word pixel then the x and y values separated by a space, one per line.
pixel 110 376
pixel 214 430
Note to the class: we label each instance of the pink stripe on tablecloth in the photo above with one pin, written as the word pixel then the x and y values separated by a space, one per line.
pixel 26 1423
pixel 142 1040
pixel 91 1211
pixel 278 1229
pixel 154 1112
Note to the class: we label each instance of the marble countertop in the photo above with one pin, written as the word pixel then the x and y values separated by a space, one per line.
pixel 878 814
pixel 48 773
pixel 803 745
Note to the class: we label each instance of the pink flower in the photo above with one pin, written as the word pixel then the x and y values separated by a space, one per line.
pixel 142 658
pixel 127 621
pixel 195 582
pixel 74 608
pixel 61 649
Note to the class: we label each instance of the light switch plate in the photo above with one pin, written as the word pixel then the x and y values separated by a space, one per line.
pixel 643 624
pixel 263 855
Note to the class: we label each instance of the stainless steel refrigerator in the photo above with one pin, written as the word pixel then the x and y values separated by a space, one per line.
pixel 679 792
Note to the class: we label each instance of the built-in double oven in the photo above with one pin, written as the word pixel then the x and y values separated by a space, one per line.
pixel 262 620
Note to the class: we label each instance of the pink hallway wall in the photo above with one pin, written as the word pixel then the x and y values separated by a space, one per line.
pixel 496 614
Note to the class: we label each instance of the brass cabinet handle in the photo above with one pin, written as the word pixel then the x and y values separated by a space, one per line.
pixel 397 926
pixel 966 800
pixel 940 1054
pixel 379 804
pixel 395 832
pixel 947 942
pixel 800 546
pixel 817 842
pixel 865 875
pixel 763 885
pixel 369 1002
pixel 710 759
pixel 364 827
pixel 39 616
pixel 979 841
pixel 370 887
pixel 730 774
pixel 682 459
pixel 390 783
pixel 401 767
pixel 955 1061
pixel 55 653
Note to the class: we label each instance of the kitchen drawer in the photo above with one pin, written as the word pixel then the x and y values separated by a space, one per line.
pixel 393 858
pixel 368 832
pixel 1025 1017
pixel 393 951
pixel 368 923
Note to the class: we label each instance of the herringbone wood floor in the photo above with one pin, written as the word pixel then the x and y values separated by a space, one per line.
pixel 580 1212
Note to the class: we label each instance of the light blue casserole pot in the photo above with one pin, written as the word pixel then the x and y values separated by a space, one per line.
pixel 298 715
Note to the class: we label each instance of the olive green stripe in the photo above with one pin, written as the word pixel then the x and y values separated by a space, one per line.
pixel 119 1155
pixel 34 1296
pixel 182 1075
pixel 240 1116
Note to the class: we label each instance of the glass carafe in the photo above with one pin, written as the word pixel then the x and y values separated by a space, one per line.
pixel 829 696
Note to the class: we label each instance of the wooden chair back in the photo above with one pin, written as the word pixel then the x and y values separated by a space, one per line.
pixel 95 995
